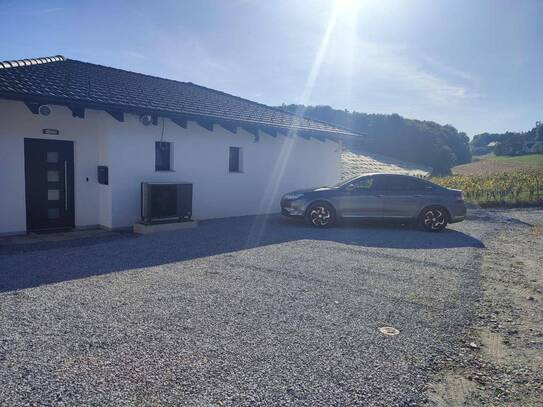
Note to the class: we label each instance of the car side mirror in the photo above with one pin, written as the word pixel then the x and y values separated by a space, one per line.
pixel 350 188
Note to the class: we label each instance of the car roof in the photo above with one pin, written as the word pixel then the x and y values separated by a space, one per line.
pixel 388 174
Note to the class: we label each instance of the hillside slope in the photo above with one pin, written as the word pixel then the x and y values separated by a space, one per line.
pixel 355 162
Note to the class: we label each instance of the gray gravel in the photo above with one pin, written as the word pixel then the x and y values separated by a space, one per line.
pixel 243 311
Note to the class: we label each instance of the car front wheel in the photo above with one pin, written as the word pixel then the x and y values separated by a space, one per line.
pixel 320 215
pixel 434 219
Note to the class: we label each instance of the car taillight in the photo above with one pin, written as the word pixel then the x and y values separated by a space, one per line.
pixel 460 196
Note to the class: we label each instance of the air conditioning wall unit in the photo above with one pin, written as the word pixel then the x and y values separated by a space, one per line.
pixel 166 202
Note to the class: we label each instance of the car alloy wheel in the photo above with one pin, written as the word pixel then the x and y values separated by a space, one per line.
pixel 435 219
pixel 320 215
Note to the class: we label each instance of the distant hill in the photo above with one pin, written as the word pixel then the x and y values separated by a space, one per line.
pixel 421 142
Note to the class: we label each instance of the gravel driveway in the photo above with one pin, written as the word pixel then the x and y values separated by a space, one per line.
pixel 243 311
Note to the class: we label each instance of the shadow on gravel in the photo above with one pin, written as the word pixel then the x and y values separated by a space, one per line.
pixel 28 266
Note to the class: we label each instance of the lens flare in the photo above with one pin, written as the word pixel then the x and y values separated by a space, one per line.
pixel 272 194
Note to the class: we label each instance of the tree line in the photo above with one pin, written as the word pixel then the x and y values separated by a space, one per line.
pixel 422 142
pixel 510 143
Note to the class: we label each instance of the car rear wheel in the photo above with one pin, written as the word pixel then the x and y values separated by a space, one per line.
pixel 320 215
pixel 434 219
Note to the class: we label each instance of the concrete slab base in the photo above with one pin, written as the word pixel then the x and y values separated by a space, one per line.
pixel 143 229
pixel 76 234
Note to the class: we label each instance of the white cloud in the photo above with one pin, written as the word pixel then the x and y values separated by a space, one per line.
pixel 129 53
pixel 449 70
pixel 393 68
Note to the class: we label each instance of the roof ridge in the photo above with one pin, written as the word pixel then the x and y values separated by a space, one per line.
pixel 224 93
pixel 30 61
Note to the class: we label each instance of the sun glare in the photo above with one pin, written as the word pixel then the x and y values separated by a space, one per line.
pixel 346 11
pixel 348 6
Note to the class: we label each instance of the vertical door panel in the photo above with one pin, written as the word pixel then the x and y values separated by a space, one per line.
pixel 363 200
pixel 401 204
pixel 49 175
pixel 402 196
pixel 361 204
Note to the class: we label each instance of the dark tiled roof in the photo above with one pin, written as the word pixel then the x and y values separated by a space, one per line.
pixel 66 81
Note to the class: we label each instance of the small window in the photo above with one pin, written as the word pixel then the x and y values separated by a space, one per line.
pixel 52 176
pixel 397 183
pixel 234 163
pixel 365 184
pixel 52 157
pixel 163 156
pixel 53 194
pixel 414 184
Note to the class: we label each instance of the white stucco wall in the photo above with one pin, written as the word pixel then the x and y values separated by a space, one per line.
pixel 271 166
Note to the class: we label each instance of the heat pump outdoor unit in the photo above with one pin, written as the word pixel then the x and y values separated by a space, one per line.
pixel 165 202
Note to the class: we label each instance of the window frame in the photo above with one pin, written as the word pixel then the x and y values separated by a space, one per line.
pixel 357 184
pixel 170 156
pixel 407 183
pixel 239 169
pixel 376 184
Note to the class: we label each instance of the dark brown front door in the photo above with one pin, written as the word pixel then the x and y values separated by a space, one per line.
pixel 49 174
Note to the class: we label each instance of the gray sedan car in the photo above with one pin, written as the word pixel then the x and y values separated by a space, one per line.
pixel 378 196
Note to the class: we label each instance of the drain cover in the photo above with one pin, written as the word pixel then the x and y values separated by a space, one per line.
pixel 389 330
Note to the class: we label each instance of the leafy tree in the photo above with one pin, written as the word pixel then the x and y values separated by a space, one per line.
pixel 447 160
pixel 421 142
pixel 538 148
pixel 482 140
pixel 538 132
pixel 509 143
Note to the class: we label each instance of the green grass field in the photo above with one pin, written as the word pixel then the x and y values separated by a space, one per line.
pixel 491 164
pixel 531 159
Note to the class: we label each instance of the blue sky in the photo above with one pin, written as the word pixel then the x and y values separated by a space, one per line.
pixel 477 65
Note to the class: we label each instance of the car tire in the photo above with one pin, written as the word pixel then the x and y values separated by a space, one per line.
pixel 320 215
pixel 434 218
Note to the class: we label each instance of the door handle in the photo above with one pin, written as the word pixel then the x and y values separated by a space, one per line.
pixel 65 185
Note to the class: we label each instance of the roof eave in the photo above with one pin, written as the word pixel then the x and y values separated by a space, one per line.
pixel 81 103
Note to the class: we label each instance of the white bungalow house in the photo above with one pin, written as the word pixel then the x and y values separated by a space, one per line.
pixel 61 119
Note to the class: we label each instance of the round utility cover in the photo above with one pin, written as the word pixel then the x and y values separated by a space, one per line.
pixel 44 110
pixel 389 330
